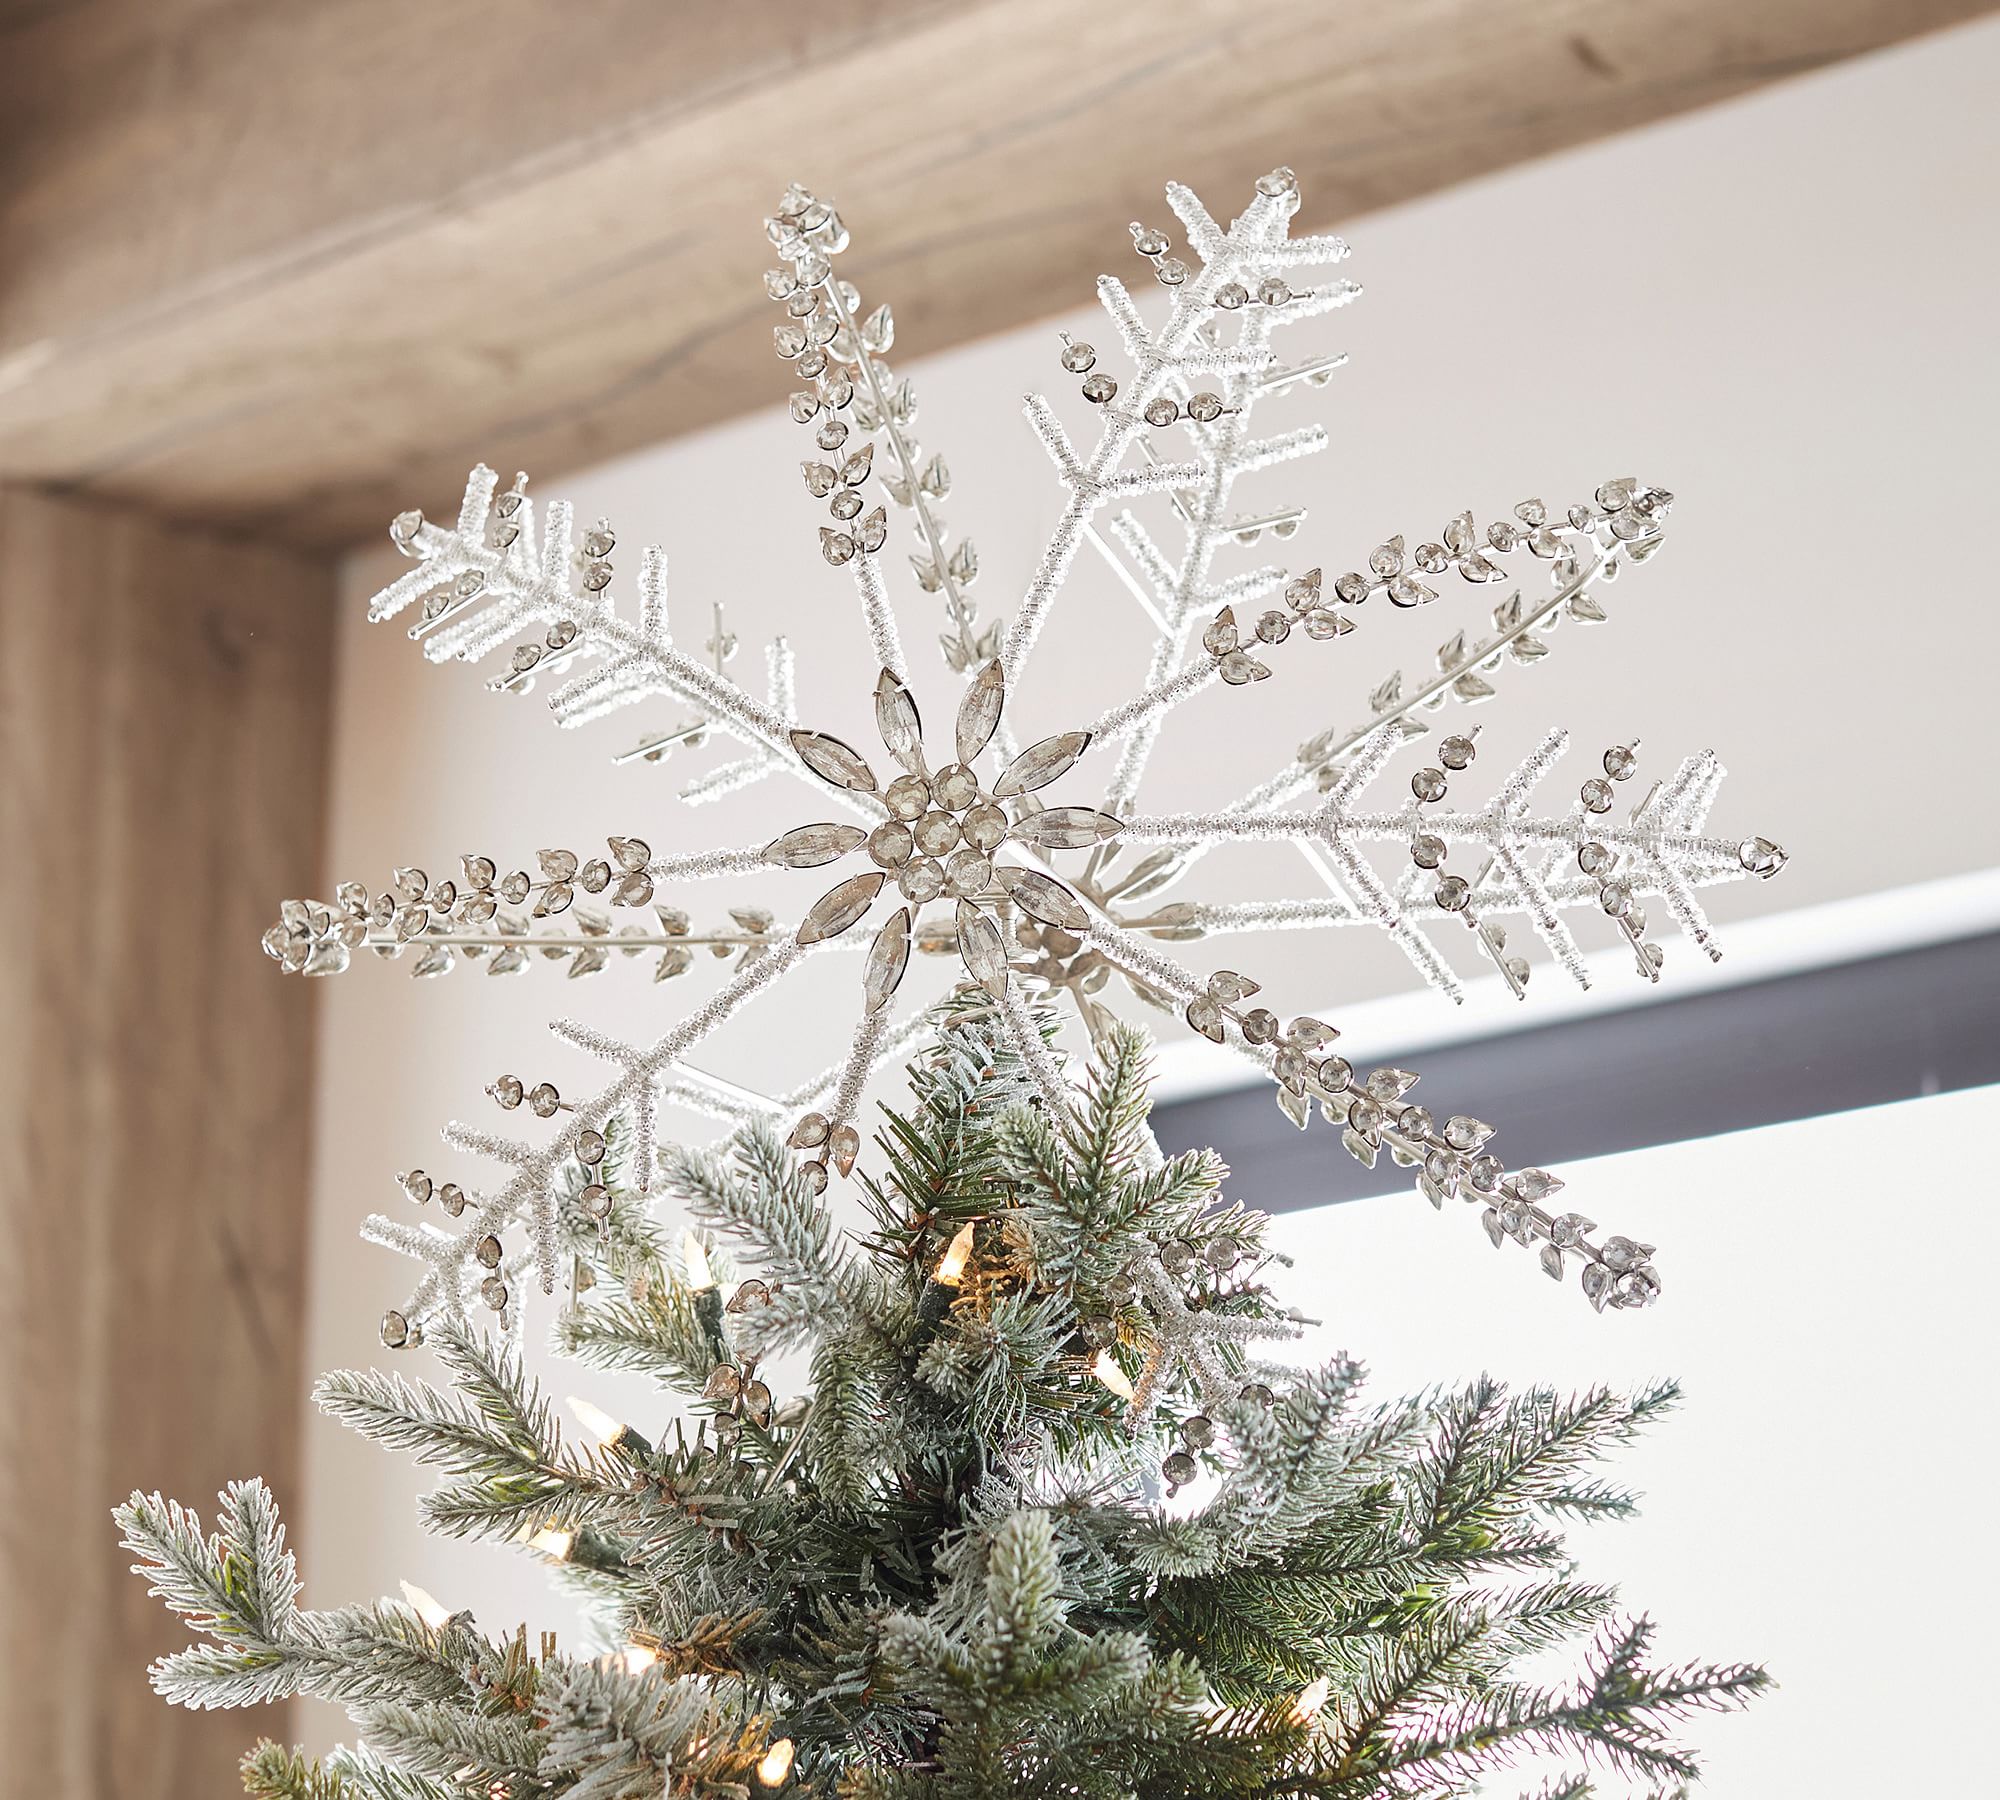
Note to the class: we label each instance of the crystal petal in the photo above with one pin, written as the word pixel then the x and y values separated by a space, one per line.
pixel 896 718
pixel 888 957
pixel 980 946
pixel 1042 898
pixel 979 711
pixel 811 845
pixel 840 907
pixel 1040 764
pixel 832 761
pixel 1067 828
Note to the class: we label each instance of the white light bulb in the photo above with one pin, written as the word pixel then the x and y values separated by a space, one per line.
pixel 595 1420
pixel 424 1606
pixel 776 1763
pixel 951 1266
pixel 694 1257
pixel 1106 1369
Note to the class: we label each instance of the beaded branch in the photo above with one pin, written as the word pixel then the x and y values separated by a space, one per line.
pixel 1033 867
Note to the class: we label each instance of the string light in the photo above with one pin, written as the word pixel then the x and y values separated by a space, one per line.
pixel 694 1256
pixel 612 1433
pixel 776 1763
pixel 1105 1368
pixel 555 1541
pixel 425 1606
pixel 638 1658
pixel 951 1266
pixel 1311 1698
pixel 942 1288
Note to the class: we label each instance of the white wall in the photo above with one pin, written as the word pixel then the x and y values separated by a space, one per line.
pixel 1780 309
pixel 1814 1503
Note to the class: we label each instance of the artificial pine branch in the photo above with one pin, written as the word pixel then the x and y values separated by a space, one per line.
pixel 945 1567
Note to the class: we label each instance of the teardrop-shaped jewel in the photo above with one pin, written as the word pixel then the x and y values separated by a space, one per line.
pixel 832 761
pixel 1067 828
pixel 981 949
pixel 896 718
pixel 979 711
pixel 840 907
pixel 1040 764
pixel 888 957
pixel 809 846
pixel 1042 898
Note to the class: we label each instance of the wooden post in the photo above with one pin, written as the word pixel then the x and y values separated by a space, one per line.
pixel 163 724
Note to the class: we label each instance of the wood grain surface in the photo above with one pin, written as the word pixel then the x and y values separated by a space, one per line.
pixel 286 269
pixel 163 726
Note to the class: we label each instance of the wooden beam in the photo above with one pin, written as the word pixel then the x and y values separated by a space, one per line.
pixel 287 269
pixel 163 725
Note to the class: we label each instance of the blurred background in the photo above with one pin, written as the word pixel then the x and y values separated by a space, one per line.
pixel 270 274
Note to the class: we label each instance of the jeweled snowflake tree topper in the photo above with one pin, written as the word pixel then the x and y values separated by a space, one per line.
pixel 1035 869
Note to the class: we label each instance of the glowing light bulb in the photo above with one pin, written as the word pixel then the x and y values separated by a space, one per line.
pixel 1105 1368
pixel 776 1763
pixel 595 1420
pixel 639 1658
pixel 1311 1698
pixel 951 1266
pixel 424 1606
pixel 694 1257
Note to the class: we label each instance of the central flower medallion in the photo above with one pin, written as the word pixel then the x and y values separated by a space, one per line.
pixel 944 835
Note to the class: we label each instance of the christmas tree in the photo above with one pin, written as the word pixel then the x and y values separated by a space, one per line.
pixel 1047 1512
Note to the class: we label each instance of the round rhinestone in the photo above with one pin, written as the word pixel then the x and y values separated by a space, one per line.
pixel 1099 389
pixel 908 796
pixel 984 827
pixel 1457 752
pixel 488 1250
pixel 1619 762
pixel 1428 785
pixel 1453 893
pixel 1616 899
pixel 955 787
pixel 1273 627
pixel 937 834
pixel 966 874
pixel 1272 291
pixel 890 845
pixel 1222 1254
pixel 1179 1468
pixel 921 880
pixel 1176 1256
pixel 395 1329
pixel 1198 1431
pixel 1280 181
pixel 494 1292
pixel 1596 795
pixel 1161 411
pixel 1205 407
pixel 1230 295
pixel 1427 851
pixel 1593 858
pixel 1078 357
